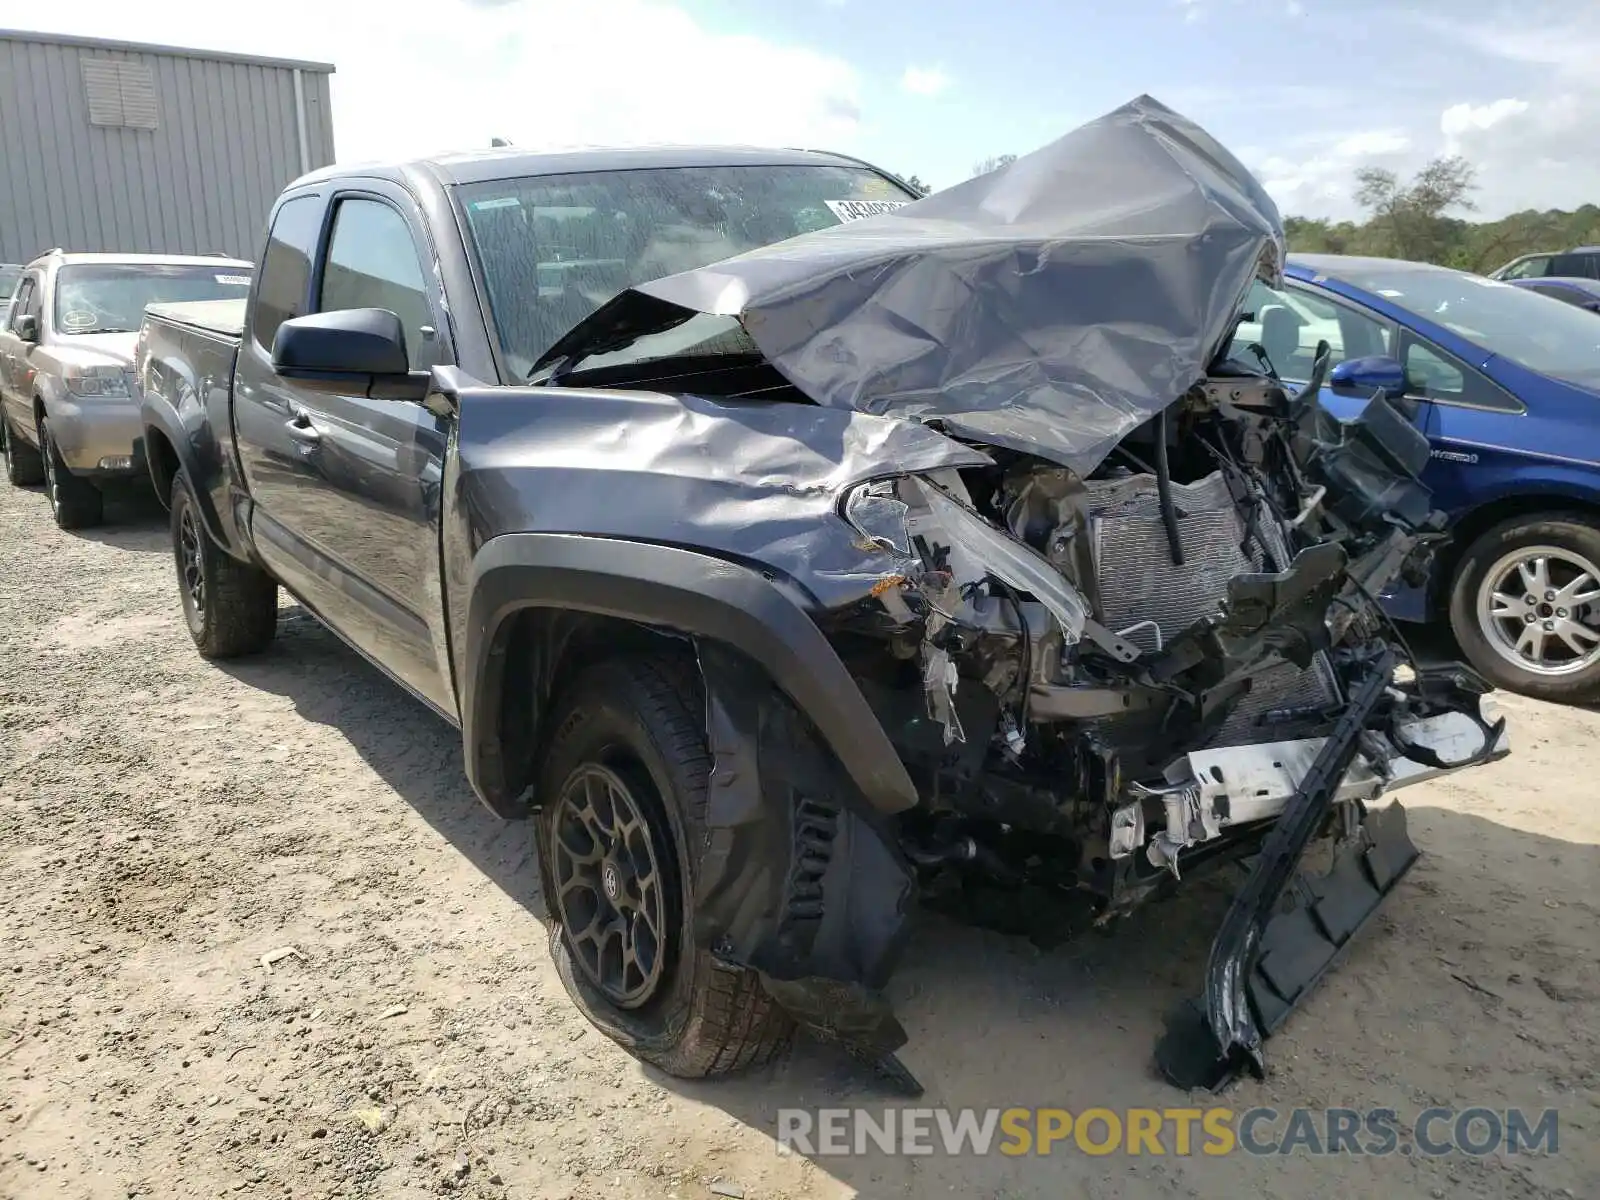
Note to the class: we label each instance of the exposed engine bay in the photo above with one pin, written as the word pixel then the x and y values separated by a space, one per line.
pixel 1148 666
pixel 1212 584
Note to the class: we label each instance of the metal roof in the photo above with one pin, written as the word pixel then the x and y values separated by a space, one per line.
pixel 68 258
pixel 1338 264
pixel 65 39
pixel 511 162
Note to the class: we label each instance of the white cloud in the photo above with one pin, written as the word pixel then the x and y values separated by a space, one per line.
pixel 1461 119
pixel 924 81
pixel 1320 179
pixel 535 71
pixel 1534 147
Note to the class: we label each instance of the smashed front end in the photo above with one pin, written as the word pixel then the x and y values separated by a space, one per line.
pixel 1111 681
pixel 1134 638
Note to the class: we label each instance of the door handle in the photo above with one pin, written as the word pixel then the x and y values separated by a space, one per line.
pixel 302 430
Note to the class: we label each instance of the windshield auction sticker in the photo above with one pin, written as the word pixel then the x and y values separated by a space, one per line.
pixel 854 210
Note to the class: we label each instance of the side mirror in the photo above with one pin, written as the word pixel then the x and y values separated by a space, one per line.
pixel 1379 375
pixel 340 345
pixel 1375 374
pixel 26 327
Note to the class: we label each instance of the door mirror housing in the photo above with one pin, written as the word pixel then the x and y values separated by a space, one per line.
pixel 1377 373
pixel 352 341
pixel 353 350
pixel 26 327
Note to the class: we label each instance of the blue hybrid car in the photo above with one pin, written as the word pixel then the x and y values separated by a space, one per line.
pixel 1506 384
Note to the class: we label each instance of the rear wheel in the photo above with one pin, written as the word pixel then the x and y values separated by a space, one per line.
pixel 1525 607
pixel 231 607
pixel 75 503
pixel 24 467
pixel 622 822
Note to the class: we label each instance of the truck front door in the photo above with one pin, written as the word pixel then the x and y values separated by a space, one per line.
pixel 347 486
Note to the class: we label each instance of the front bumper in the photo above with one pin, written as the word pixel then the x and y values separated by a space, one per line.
pixel 99 438
pixel 1213 792
pixel 1282 933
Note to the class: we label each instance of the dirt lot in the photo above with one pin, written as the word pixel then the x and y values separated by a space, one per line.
pixel 165 824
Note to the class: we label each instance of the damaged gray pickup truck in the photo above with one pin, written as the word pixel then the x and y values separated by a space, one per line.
pixel 789 551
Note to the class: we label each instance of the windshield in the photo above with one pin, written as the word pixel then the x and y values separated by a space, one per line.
pixel 10 276
pixel 1537 332
pixel 555 248
pixel 110 297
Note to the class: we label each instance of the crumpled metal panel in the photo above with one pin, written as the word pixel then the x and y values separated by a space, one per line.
pixel 1051 306
pixel 757 483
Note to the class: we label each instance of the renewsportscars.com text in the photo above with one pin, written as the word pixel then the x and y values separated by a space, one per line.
pixel 1431 1132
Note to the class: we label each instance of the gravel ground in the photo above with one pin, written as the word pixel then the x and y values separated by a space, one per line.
pixel 168 828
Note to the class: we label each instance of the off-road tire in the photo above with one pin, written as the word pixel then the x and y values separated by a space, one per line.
pixel 704 1018
pixel 1560 530
pixel 74 503
pixel 24 466
pixel 237 610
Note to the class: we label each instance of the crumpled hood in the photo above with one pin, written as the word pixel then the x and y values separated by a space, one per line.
pixel 1050 307
pixel 96 349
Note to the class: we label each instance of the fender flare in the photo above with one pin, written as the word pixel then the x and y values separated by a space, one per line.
pixel 681 591
pixel 157 415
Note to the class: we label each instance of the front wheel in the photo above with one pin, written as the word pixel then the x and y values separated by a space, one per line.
pixel 231 607
pixel 74 503
pixel 621 823
pixel 1525 607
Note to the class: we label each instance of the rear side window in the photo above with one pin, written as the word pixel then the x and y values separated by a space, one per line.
pixel 286 267
pixel 1574 266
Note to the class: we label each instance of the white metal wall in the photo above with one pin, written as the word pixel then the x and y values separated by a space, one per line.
pixel 227 137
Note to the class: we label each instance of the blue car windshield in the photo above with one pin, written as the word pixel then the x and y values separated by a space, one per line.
pixel 1537 332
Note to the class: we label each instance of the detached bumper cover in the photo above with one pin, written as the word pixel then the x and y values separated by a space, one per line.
pixel 1263 960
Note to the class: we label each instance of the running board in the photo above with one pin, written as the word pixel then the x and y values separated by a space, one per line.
pixel 1264 962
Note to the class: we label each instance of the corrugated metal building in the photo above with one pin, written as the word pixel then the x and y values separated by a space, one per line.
pixel 119 146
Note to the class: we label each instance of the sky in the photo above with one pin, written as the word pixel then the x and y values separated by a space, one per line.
pixel 1303 91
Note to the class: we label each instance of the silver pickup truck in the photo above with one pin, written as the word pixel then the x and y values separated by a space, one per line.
pixel 68 418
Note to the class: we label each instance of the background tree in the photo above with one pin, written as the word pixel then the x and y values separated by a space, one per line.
pixel 921 189
pixel 993 163
pixel 1413 216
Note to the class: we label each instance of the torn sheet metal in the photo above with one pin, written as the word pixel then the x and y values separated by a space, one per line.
pixel 1050 307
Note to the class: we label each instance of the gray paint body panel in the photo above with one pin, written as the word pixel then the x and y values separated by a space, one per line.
pixel 226 142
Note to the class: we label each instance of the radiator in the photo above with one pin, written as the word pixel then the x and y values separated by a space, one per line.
pixel 1139 582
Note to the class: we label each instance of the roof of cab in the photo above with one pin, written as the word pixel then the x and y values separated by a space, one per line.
pixel 66 258
pixel 1340 264
pixel 510 162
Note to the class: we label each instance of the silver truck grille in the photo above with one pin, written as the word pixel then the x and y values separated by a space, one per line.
pixel 1139 582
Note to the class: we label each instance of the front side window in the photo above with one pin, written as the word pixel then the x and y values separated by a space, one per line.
pixel 286 267
pixel 372 263
pixel 555 248
pixel 111 297
pixel 1528 268
pixel 1436 375
pixel 1499 318
pixel 21 302
pixel 1288 323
